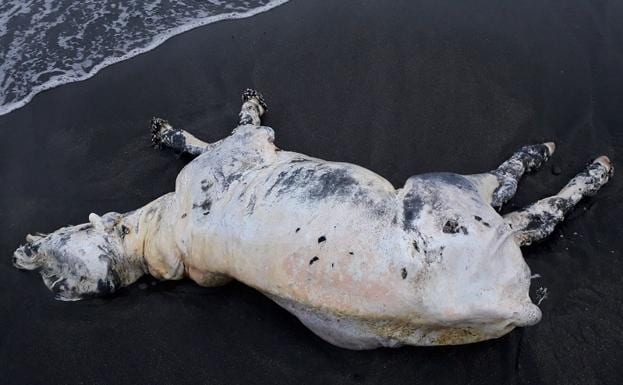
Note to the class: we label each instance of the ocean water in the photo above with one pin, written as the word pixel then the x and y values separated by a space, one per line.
pixel 47 43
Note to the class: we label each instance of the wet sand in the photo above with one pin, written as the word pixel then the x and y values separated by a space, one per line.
pixel 400 88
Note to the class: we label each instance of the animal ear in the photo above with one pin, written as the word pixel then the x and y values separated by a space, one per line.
pixel 34 238
pixel 96 221
pixel 106 222
pixel 110 220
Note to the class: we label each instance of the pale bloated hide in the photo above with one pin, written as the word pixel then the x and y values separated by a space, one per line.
pixel 360 263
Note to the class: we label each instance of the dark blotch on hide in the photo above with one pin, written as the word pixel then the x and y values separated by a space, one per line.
pixel 540 221
pixel 123 231
pixel 205 185
pixel 62 240
pixel 280 180
pixel 184 215
pixel 174 139
pixel 178 141
pixel 297 230
pixel 480 219
pixel 416 247
pixel 311 261
pixel 251 204
pixel 231 178
pixel 245 119
pixel 113 280
pixel 449 178
pixel 412 206
pixel 205 206
pixel 332 182
pixel 562 204
pixel 322 239
pixel 318 182
pixel 403 273
pixel 452 227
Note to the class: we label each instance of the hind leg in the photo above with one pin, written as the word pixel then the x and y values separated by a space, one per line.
pixel 499 186
pixel 253 107
pixel 538 220
pixel 183 142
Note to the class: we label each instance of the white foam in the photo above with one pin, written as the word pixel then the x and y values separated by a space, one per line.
pixel 77 72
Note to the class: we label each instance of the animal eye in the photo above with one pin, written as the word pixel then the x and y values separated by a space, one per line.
pixel 124 230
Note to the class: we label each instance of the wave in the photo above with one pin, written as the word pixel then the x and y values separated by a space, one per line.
pixel 48 43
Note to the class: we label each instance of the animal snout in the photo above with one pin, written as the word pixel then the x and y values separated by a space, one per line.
pixel 529 314
pixel 26 257
pixel 16 257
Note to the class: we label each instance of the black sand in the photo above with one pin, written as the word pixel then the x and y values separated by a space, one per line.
pixel 398 87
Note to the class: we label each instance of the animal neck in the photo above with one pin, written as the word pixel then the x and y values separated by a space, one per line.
pixel 154 238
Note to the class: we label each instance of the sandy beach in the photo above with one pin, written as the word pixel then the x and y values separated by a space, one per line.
pixel 400 88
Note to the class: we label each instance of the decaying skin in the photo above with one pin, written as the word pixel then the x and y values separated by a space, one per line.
pixel 360 263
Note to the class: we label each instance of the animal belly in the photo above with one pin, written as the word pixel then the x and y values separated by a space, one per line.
pixel 323 235
pixel 328 256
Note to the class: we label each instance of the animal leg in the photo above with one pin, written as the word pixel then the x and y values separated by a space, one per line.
pixel 253 107
pixel 538 220
pixel 499 186
pixel 162 134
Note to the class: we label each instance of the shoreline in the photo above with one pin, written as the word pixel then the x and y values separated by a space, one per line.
pixel 157 41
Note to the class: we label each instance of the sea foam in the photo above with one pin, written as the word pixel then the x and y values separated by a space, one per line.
pixel 47 43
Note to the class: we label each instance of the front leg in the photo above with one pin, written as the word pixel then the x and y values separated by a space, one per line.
pixel 163 134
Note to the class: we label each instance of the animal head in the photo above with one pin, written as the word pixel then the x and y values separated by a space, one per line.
pixel 82 261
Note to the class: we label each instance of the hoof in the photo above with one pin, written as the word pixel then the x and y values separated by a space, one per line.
pixel 597 174
pixel 551 147
pixel 249 94
pixel 606 163
pixel 156 125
